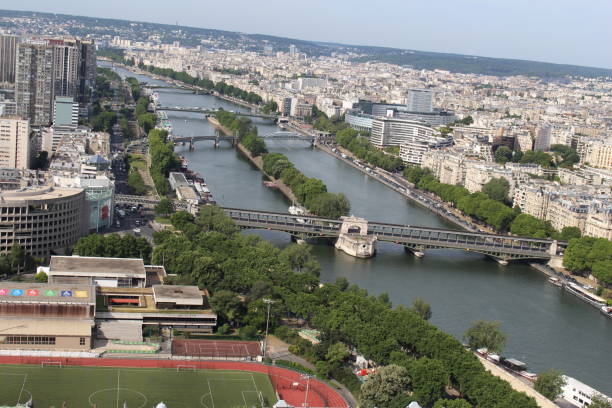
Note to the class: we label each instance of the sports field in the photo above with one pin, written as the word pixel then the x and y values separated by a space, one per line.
pixel 106 387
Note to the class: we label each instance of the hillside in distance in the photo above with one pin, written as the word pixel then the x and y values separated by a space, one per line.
pixel 56 24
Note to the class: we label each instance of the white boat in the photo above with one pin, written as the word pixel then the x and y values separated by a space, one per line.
pixel 555 281
pixel 585 295
pixel 606 311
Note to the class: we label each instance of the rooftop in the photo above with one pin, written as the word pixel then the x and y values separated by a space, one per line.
pixel 95 266
pixel 180 295
pixel 43 293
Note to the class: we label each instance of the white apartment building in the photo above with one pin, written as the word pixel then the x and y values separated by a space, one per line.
pixel 14 143
pixel 588 208
pixel 447 166
pixel 532 199
pixel 412 150
pixel 395 132
pixel 599 153
pixel 477 175
pixel 599 223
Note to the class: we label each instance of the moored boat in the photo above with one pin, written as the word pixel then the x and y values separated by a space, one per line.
pixel 606 311
pixel 585 295
pixel 555 281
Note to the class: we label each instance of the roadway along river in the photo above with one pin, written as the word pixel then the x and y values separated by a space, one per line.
pixel 546 327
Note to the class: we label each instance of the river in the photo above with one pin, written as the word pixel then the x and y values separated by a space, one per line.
pixel 546 327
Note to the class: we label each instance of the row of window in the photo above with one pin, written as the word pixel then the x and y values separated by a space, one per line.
pixel 46 340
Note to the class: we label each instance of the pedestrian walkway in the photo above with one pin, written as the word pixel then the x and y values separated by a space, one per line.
pixel 516 383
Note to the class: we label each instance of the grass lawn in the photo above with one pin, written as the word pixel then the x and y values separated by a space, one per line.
pixel 105 387
pixel 163 220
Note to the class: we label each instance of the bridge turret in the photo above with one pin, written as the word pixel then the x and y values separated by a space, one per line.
pixel 354 225
pixel 354 238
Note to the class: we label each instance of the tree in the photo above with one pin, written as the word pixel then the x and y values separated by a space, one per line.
pixel 600 401
pixel 421 308
pixel 529 226
pixel 448 403
pixel 227 305
pixel 384 386
pixel 17 257
pixel 568 233
pixel 497 189
pixel 164 207
pixel 503 154
pixel 576 255
pixel 41 277
pixel 485 334
pixel 337 354
pixel 602 270
pixel 429 379
pixel 300 259
pixel 549 384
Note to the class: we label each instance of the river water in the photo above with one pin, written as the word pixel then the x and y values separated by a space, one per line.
pixel 546 327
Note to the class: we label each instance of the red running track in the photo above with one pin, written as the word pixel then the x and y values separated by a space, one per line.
pixel 290 385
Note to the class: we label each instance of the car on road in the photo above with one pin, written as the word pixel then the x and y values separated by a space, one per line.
pixel 136 231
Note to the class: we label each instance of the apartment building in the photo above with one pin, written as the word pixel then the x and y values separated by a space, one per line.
pixel 599 153
pixel 14 143
pixel 533 197
pixel 8 55
pixel 599 222
pixel 34 81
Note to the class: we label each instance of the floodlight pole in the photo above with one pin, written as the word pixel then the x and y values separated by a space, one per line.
pixel 305 404
pixel 265 348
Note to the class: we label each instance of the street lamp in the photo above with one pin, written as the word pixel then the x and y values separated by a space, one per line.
pixel 265 348
pixel 307 378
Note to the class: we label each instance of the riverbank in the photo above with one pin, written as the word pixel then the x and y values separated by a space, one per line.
pixel 516 383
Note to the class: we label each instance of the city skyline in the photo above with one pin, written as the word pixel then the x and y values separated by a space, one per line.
pixel 545 34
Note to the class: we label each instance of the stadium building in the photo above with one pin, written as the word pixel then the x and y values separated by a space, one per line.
pixel 38 316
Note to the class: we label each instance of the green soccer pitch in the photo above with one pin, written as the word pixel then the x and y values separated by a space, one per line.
pixel 106 387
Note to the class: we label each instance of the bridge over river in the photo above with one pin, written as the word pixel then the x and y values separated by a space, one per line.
pixel 233 139
pixel 207 111
pixel 416 239
pixel 361 232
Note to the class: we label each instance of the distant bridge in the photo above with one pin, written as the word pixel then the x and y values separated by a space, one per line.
pixel 233 139
pixel 212 112
pixel 416 239
pixel 180 87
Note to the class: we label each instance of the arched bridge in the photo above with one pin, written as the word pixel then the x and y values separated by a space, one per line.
pixel 217 138
pixel 212 111
pixel 417 239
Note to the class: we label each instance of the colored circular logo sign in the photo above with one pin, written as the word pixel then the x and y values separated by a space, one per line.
pixel 3 292
pixel 32 292
pixel 17 292
pixel 50 293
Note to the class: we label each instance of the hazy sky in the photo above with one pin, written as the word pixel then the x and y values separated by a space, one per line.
pixel 563 31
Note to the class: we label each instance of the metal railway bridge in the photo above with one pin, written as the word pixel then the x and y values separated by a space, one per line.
pixel 212 111
pixel 502 247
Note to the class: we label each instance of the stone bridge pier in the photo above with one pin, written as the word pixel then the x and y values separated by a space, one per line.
pixel 354 239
